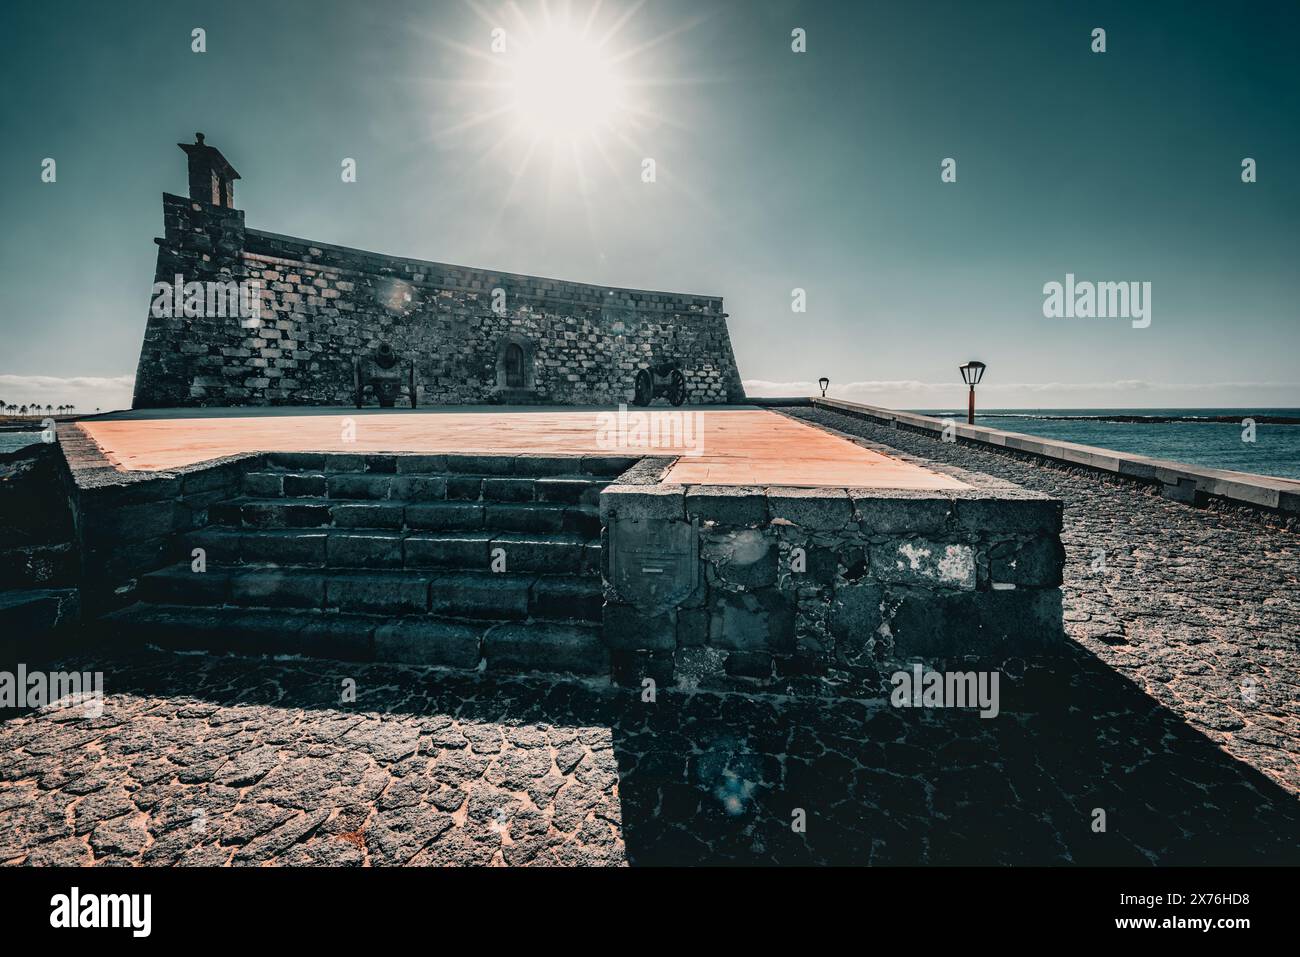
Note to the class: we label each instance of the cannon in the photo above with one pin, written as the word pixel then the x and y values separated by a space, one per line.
pixel 385 375
pixel 664 379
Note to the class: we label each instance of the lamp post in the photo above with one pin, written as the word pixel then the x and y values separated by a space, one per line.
pixel 825 384
pixel 971 373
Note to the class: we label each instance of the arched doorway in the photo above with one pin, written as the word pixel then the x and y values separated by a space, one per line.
pixel 514 366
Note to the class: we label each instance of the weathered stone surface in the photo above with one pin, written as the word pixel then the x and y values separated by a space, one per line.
pixel 378 594
pixel 364 550
pixel 751 621
pixel 823 509
pixel 919 561
pixel 539 646
pixel 727 505
pixel 745 557
pixel 208 760
pixel 1036 563
pixel 428 642
pixel 890 512
pixel 627 628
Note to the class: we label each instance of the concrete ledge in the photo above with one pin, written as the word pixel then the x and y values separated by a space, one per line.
pixel 1177 480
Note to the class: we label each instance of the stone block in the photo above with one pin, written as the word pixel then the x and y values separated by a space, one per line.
pixel 1038 562
pixel 740 556
pixel 304 485
pixel 857 613
pixel 524 517
pixel 498 489
pixel 362 550
pixel 919 561
pixel 480 595
pixel 820 509
pixel 271 587
pixel 751 621
pixel 378 594
pixel 367 514
pixel 419 488
pixel 481 464
pixel 1009 516
pixel 464 488
pixel 283 547
pixel 554 596
pixel 727 505
pixel 264 484
pixel 468 550
pixel 891 512
pixel 543 646
pixel 749 664
pixel 429 642
pixel 628 629
pixel 421 464
pixel 639 503
pixel 445 516
pixel 353 486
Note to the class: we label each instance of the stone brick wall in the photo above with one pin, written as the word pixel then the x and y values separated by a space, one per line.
pixel 809 584
pixel 321 305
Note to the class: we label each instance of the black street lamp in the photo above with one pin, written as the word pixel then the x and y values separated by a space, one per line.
pixel 825 384
pixel 971 373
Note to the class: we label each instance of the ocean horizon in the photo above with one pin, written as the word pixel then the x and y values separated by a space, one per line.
pixel 1189 435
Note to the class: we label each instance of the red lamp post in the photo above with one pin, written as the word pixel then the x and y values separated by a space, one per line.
pixel 971 373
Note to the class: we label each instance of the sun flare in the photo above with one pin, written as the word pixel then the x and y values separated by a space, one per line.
pixel 564 87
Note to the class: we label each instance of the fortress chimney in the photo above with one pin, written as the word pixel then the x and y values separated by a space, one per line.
pixel 212 179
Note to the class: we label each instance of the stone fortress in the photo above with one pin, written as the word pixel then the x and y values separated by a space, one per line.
pixel 474 336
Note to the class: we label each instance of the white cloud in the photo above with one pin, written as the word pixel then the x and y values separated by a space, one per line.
pixel 87 393
pixel 762 387
pixel 1115 393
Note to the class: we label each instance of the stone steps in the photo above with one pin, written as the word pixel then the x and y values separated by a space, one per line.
pixel 417 488
pixel 546 646
pixel 444 560
pixel 482 595
pixel 299 513
pixel 350 548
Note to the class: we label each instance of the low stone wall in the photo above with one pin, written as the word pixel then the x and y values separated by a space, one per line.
pixel 39 558
pixel 780 584
pixel 128 522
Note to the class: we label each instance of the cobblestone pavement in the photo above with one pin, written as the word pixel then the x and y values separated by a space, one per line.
pixel 213 760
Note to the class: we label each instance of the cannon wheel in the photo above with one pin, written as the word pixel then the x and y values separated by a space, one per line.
pixel 645 388
pixel 677 388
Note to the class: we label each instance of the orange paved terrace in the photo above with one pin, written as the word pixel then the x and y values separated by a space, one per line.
pixel 745 446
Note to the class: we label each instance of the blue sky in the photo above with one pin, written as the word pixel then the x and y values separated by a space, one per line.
pixel 775 170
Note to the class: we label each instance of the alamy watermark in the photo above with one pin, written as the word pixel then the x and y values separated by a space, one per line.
pixel 232 299
pixel 1098 300
pixel 63 689
pixel 678 431
pixel 925 688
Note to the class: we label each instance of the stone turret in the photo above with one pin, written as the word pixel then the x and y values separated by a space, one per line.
pixel 212 178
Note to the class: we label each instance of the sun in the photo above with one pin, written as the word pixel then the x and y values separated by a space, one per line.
pixel 564 87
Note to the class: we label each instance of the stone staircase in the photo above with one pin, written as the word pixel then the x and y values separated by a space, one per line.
pixel 452 561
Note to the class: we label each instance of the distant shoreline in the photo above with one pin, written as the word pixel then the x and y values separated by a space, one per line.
pixel 1147 419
